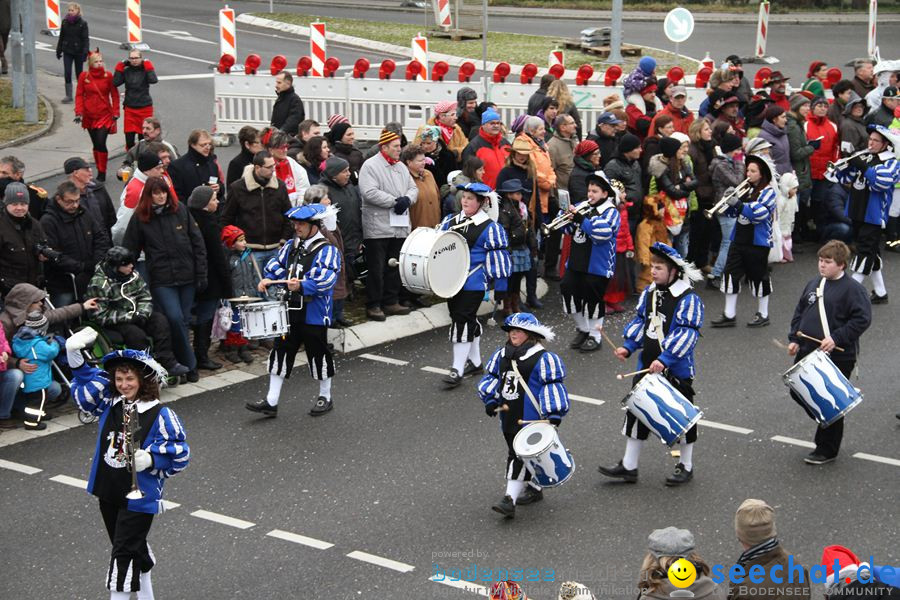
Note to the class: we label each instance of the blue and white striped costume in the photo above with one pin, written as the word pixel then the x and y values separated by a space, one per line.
pixel 488 250
pixel 759 213
pixel 748 255
pixel 599 228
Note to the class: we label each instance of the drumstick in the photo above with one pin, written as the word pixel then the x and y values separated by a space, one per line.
pixel 612 344
pixel 779 343
pixel 524 422
pixel 621 376
pixel 501 409
pixel 812 339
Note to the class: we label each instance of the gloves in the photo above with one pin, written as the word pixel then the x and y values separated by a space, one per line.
pixel 401 205
pixel 148 66
pixel 75 343
pixel 142 460
pixel 860 163
pixel 816 144
pixel 554 419
pixel 201 285
pixel 733 201
pixel 77 119
pixel 489 409
pixel 120 67
pixel 58 55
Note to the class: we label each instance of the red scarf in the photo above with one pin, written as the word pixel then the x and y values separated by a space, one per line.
pixel 284 172
pixel 389 160
pixel 446 132
pixel 97 72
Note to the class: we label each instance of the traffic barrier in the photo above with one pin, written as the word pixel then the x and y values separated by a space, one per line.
pixel 675 74
pixel 360 67
pixel 317 48
pixel 585 72
pixel 528 74
pixel 332 64
pixel 420 56
pixel 135 35
pixel 442 14
pixel 386 69
pixel 557 57
pixel 226 63
pixel 762 29
pixel 252 63
pixel 304 64
pixel 466 70
pixel 51 23
pixel 612 75
pixel 227 32
pixel 279 62
pixel 501 72
pixel 872 45
pixel 439 70
pixel 558 71
pixel 414 71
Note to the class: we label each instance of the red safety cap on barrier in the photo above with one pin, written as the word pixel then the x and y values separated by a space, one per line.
pixel 528 73
pixel 762 76
pixel 466 70
pixel 413 69
pixel 439 70
pixel 675 74
pixel 251 64
pixel 279 62
pixel 501 72
pixel 304 64
pixel 584 74
pixel 703 77
pixel 557 71
pixel 834 75
pixel 332 64
pixel 386 69
pixel 360 67
pixel 225 63
pixel 612 75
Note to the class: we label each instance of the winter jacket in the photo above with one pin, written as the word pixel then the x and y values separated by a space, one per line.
pixel 508 172
pixel 725 173
pixel 15 309
pixel 259 211
pixel 4 347
pixel 492 150
pixel 312 172
pixel 18 257
pixel 131 156
pixel 426 212
pixel 681 118
pixel 352 155
pixel 800 151
pixel 629 173
pixel 702 174
pixel 218 272
pixel 768 588
pixel 456 145
pixel 350 216
pixel 536 101
pixel 441 163
pixel 37 196
pixel 833 205
pixel 95 199
pixel 703 588
pixel 511 220
pixel 236 166
pixel 578 180
pixel 191 170
pixel 128 202
pixel 662 179
pixel 863 87
pixel 854 133
pixel 173 246
pixel 609 146
pixel 40 350
pixel 121 298
pixel 82 242
pixel 137 80
pixel 639 120
pixel 244 278
pixel 836 112
pixel 543 169
pixel 562 158
pixel 287 112
pixel 97 100
pixel 380 184
pixel 829 148
pixel 295 177
pixel 882 116
pixel 74 38
pixel 814 85
pixel 781 147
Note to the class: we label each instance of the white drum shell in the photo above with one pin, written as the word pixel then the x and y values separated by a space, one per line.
pixel 434 262
pixel 264 320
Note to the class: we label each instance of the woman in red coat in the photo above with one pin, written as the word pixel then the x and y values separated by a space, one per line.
pixel 97 108
pixel 823 136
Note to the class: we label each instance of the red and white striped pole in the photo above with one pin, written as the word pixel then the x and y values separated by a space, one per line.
pixel 442 14
pixel 873 17
pixel 557 57
pixel 762 29
pixel 51 23
pixel 227 32
pixel 135 39
pixel 420 53
pixel 317 48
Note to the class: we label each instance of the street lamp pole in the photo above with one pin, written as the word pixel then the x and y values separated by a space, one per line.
pixel 615 50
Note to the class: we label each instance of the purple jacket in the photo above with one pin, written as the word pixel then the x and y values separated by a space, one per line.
pixel 781 148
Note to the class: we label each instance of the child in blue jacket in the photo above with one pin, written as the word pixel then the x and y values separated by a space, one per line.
pixel 31 342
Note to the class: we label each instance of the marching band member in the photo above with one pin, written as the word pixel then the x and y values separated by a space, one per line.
pixel 527 379
pixel 665 330
pixel 592 261
pixel 129 471
pixel 835 309
pixel 748 255
pixel 489 263
pixel 871 178
pixel 310 266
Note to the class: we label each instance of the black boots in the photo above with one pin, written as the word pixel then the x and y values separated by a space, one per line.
pixel 202 333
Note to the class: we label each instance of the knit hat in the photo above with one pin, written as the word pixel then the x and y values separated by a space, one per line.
pixel 719 77
pixel 818 100
pixel 772 111
pixel 669 146
pixel 797 100
pixel 73 164
pixel 444 106
pixel 670 541
pixel 649 88
pixel 754 522
pixel 490 115
pixel 647 65
pixel 730 143
pixel 815 66
pixel 518 123
pixel 200 196
pixel 681 137
pixel 37 321
pixel 387 137
pixel 334 166
pixel 231 234
pixel 337 132
pixel 628 143
pixel 335 119
pixel 147 161
pixel 15 193
pixel 586 147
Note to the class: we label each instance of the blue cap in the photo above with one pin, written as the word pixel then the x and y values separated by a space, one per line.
pixel 647 65
pixel 608 118
pixel 510 186
pixel 477 188
pixel 306 212
pixel 528 322
pixel 490 115
pixel 151 368
pixel 689 272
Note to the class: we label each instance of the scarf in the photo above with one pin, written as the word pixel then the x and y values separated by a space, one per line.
pixel 517 352
pixel 446 131
pixel 389 160
pixel 540 143
pixel 97 72
pixel 284 172
pixel 758 550
pixel 708 148
pixel 70 19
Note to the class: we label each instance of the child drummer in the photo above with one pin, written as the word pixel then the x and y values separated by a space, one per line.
pixel 835 309
pixel 523 381
pixel 665 330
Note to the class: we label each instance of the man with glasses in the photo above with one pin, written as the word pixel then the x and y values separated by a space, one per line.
pixel 248 138
pixel 94 197
pixel 138 75
pixel 490 146
pixel 151 131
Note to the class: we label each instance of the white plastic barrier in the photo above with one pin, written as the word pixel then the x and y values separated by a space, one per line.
pixel 370 103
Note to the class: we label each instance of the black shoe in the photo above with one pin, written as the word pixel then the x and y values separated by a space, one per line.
pixel 505 507
pixel 193 376
pixel 452 379
pixel 579 339
pixel 182 379
pixel 815 458
pixel 680 476
pixel 322 406
pixel 471 369
pixel 876 299
pixel 245 355
pixel 40 426
pixel 713 283
pixel 533 303
pixel 232 355
pixel 589 345
pixel 530 496
pixel 101 176
pixel 208 364
pixel 178 370
pixel 758 321
pixel 724 321
pixel 261 406
pixel 617 471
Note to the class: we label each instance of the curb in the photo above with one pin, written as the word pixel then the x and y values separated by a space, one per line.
pixel 51 119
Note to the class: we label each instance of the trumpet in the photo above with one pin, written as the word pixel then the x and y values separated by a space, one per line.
pixel 563 220
pixel 130 427
pixel 831 167
pixel 720 206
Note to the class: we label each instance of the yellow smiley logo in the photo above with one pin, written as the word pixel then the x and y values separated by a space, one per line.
pixel 682 573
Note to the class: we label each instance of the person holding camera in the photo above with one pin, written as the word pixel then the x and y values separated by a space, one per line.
pixel 138 75
pixel 20 238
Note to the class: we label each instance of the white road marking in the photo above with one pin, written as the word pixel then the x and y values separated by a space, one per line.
pixel 169 505
pixel 183 36
pixel 18 467
pixel 587 399
pixel 380 561
pixel 65 479
pixel 467 586
pixel 725 426
pixel 385 359
pixel 190 76
pixel 299 539
pixel 436 370
pixel 181 56
pixel 876 458
pixel 224 520
pixel 794 441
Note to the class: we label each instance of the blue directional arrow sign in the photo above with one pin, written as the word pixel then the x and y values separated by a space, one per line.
pixel 679 25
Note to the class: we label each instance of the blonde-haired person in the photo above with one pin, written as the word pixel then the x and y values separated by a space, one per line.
pixel 97 108
pixel 559 91
pixel 665 547
pixel 73 45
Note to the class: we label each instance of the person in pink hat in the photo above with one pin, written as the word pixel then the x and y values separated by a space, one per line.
pixel 452 135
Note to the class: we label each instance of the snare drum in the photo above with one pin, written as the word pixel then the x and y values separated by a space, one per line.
pixel 264 320
pixel 665 411
pixel 545 457
pixel 434 262
pixel 822 387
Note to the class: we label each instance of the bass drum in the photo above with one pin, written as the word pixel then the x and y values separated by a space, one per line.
pixel 434 262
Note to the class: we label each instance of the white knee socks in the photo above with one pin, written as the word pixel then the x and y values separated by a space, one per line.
pixel 730 305
pixel 120 596
pixel 763 306
pixel 858 276
pixel 687 455
pixel 460 354
pixel 325 388
pixel 275 383
pixel 592 328
pixel 146 592
pixel 581 322
pixel 878 282
pixel 514 488
pixel 632 454
pixel 475 351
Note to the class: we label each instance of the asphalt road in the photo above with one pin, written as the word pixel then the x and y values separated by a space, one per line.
pixel 406 472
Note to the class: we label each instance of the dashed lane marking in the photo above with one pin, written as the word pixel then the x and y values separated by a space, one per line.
pixel 436 370
pixel 381 561
pixel 18 467
pixel 587 399
pixel 299 539
pixel 187 76
pixel 466 586
pixel 876 458
pixel 726 427
pixel 385 359
pixel 794 441
pixel 222 519
pixel 169 505
pixel 65 479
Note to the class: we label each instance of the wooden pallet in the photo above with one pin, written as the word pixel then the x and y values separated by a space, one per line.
pixel 455 35
pixel 602 51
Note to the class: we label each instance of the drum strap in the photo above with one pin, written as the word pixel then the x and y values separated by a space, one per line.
pixel 820 299
pixel 534 402
pixel 655 320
